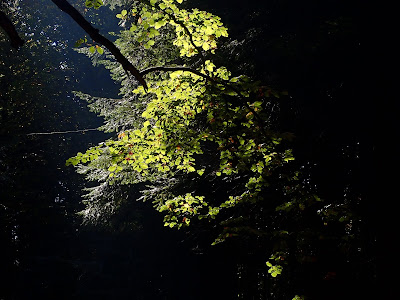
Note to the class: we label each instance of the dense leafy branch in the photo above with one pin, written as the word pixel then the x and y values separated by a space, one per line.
pixel 187 31
pixel 212 80
pixel 185 117
pixel 170 14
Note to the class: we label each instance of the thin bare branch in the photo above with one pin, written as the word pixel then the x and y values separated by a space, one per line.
pixel 63 132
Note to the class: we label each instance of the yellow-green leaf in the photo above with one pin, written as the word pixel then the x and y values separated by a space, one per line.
pixel 100 50
pixel 206 46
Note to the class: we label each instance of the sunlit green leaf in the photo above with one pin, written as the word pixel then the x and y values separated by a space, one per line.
pixel 100 50
pixel 149 44
pixel 112 168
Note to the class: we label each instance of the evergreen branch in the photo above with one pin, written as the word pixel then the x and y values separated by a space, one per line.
pixel 97 37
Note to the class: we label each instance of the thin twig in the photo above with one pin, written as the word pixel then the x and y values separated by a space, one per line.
pixel 62 132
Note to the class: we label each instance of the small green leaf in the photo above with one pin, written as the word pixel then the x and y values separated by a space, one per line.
pixel 92 49
pixel 153 32
pixel 200 172
pixel 209 31
pixel 100 50
pixel 317 198
pixel 112 168
pixel 149 44
pixel 206 46
pixel 94 3
pixel 98 4
pixel 79 42
pixel 159 24
pixel 144 166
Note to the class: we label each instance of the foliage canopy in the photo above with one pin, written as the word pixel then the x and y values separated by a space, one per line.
pixel 196 126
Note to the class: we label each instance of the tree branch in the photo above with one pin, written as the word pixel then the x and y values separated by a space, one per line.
pixel 97 37
pixel 9 27
pixel 190 37
pixel 183 25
